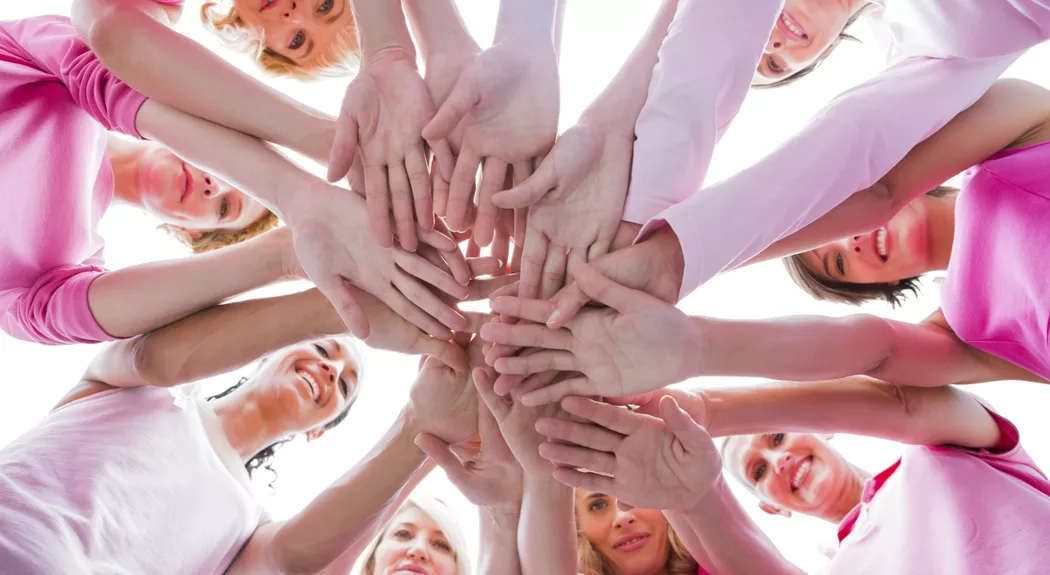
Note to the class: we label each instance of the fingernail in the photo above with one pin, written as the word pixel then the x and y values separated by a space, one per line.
pixel 555 317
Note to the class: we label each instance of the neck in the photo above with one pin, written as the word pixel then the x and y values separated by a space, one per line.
pixel 942 231
pixel 848 497
pixel 123 155
pixel 248 428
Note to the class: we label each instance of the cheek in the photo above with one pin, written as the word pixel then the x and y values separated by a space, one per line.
pixel 444 563
pixel 387 555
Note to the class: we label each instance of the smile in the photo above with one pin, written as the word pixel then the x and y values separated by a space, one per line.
pixel 788 24
pixel 631 543
pixel 411 569
pixel 801 473
pixel 187 184
pixel 315 390
pixel 267 4
pixel 880 243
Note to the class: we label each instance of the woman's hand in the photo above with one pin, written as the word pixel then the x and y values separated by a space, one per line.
pixel 444 401
pixel 666 462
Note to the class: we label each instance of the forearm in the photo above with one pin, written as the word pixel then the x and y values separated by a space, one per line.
pixel 438 27
pixel 547 531
pixel 340 522
pixel 623 98
pixel 381 28
pixel 178 72
pixel 690 540
pixel 142 298
pixel 526 20
pixel 732 540
pixel 855 405
pixel 498 546
pixel 241 160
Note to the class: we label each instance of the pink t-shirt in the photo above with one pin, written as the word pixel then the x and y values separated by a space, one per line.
pixel 996 295
pixel 122 482
pixel 951 510
pixel 57 101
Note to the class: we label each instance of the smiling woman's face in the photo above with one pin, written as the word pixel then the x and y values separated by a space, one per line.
pixel 633 542
pixel 299 30
pixel 413 544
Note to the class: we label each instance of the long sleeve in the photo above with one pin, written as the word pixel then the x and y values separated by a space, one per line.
pixel 693 98
pixel 847 147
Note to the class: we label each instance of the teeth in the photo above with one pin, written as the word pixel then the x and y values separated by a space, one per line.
pixel 800 473
pixel 309 379
pixel 791 25
pixel 631 540
pixel 880 241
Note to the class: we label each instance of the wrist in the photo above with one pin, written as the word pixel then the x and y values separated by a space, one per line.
pixel 389 55
pixel 531 21
pixel 696 346
pixel 502 516
pixel 710 502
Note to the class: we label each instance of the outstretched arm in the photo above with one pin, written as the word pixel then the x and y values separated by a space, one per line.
pixel 133 38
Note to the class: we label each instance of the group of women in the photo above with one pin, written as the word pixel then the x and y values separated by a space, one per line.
pixel 555 419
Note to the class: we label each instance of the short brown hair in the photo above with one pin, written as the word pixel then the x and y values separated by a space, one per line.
pixel 215 239
pixel 340 60
pixel 795 76
pixel 825 289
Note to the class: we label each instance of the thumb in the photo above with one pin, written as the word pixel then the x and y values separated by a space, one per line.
pixel 606 291
pixel 344 148
pixel 442 455
pixel 693 437
pixel 464 96
pixel 444 351
pixel 532 190
pixel 348 308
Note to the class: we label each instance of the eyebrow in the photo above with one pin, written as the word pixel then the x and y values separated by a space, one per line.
pixel 336 345
pixel 334 17
pixel 827 271
pixel 594 496
pixel 309 48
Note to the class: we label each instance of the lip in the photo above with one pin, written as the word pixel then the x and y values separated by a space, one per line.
pixel 631 543
pixel 320 390
pixel 411 568
pixel 187 184
pixel 875 244
pixel 783 27
pixel 267 4
pixel 795 486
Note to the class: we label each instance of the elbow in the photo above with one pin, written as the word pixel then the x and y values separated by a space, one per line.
pixel 146 366
pixel 291 559
pixel 875 338
pixel 104 29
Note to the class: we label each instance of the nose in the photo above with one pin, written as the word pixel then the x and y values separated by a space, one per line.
pixel 855 243
pixel 330 371
pixel 292 13
pixel 418 551
pixel 782 462
pixel 624 518
pixel 211 187
pixel 775 42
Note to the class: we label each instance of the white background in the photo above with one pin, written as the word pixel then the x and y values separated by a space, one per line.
pixel 598 36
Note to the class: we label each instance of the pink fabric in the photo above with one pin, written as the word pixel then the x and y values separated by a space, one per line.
pixel 121 482
pixel 946 54
pixel 951 510
pixel 996 295
pixel 57 101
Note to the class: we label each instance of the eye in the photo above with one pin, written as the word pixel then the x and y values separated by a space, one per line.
pixel 840 264
pixel 321 350
pixel 344 387
pixel 297 41
pixel 778 439
pixel 443 545
pixel 597 505
pixel 773 67
pixel 759 472
pixel 224 209
pixel 326 7
pixel 402 534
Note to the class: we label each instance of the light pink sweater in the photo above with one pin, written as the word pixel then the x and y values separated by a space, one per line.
pixel 945 55
pixel 55 181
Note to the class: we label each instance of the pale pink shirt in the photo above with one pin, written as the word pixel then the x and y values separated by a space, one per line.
pixel 125 481
pixel 951 510
pixel 945 55
pixel 58 101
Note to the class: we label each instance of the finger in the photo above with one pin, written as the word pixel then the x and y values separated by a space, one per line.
pixel 473 249
pixel 463 97
pixel 356 178
pixel 583 480
pixel 488 266
pixel 572 456
pixel 438 239
pixel 602 289
pixel 481 289
pixel 461 188
pixel 505 383
pixel 577 256
pixel 694 438
pixel 521 223
pixel 534 382
pixel 475 320
pixel 440 453
pixel 527 335
pixel 444 351
pixel 348 308
pixel 535 310
pixel 419 178
pixel 555 392
pixel 444 162
pixel 344 148
pixel 439 184
pixel 483 381
pixel 377 200
pixel 532 189
pixel 533 256
pixel 623 506
pixel 581 434
pixel 401 199
pixel 611 417
pixel 403 306
pixel 493 174
pixel 571 300
pixel 496 351
pixel 429 303
pixel 553 278
pixel 536 363
pixel 509 290
pixel 431 274
pixel 501 244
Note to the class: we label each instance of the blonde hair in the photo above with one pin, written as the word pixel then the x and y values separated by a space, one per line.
pixel 590 562
pixel 438 511
pixel 215 239
pixel 341 59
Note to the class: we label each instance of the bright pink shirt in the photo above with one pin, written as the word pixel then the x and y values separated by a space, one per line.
pixel 951 510
pixel 126 482
pixel 945 55
pixel 58 101
pixel 996 295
